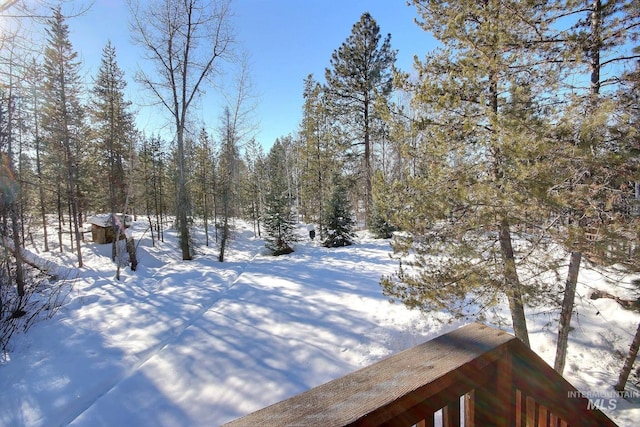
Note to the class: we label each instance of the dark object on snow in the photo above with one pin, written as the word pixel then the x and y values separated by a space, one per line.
pixel 312 234
pixel 131 249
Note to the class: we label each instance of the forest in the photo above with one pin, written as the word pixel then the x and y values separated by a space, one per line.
pixel 521 128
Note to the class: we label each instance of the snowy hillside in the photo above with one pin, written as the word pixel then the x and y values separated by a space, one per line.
pixel 201 342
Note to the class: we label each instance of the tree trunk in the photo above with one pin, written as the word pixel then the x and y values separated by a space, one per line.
pixel 114 230
pixel 183 200
pixel 153 239
pixel 596 46
pixel 17 253
pixel 74 229
pixel 512 282
pixel 567 309
pixel 205 207
pixel 225 225
pixel 11 194
pixel 43 209
pixel 36 131
pixel 367 164
pixel 628 363
pixel 60 222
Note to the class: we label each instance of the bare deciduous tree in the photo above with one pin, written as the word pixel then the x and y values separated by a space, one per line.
pixel 185 40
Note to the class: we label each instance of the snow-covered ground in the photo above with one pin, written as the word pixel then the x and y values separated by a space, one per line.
pixel 201 342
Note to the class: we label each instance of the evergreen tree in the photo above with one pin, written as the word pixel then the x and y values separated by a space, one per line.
pixel 150 193
pixel 592 168
pixel 228 177
pixel 254 184
pixel 482 175
pixel 279 218
pixel 63 119
pixel 113 127
pixel 359 77
pixel 382 223
pixel 280 225
pixel 33 80
pixel 203 182
pixel 338 221
pixel 317 154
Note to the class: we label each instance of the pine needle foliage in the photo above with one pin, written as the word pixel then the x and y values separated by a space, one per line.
pixel 279 219
pixel 382 223
pixel 280 226
pixel 479 194
pixel 338 221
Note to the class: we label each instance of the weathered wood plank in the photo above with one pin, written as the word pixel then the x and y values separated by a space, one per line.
pixel 543 417
pixel 370 393
pixel 469 409
pixel 503 381
pixel 531 411
pixel 519 408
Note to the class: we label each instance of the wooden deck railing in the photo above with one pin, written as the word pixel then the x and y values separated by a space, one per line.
pixel 473 376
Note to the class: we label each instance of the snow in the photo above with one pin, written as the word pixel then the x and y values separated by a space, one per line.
pixel 200 343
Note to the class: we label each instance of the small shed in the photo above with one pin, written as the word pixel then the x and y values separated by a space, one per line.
pixel 102 226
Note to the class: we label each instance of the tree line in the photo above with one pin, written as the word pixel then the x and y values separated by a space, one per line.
pixel 519 130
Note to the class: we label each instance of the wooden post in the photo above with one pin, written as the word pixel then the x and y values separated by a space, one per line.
pixel 451 414
pixel 494 403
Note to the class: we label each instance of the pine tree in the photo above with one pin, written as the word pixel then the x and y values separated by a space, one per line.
pixel 338 219
pixel 150 194
pixel 279 218
pixel 320 152
pixel 33 79
pixel 382 223
pixel 359 77
pixel 280 225
pixel 482 174
pixel 63 118
pixel 203 182
pixel 255 183
pixel 114 127
pixel 228 177
pixel 592 167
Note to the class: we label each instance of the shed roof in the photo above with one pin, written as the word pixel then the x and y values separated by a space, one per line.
pixel 104 220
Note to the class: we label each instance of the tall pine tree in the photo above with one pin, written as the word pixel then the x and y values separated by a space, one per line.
pixel 114 127
pixel 63 116
pixel 359 77
pixel 321 147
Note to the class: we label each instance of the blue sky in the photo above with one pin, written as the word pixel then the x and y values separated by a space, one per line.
pixel 285 39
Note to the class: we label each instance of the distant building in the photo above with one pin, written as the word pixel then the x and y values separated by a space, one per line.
pixel 102 227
